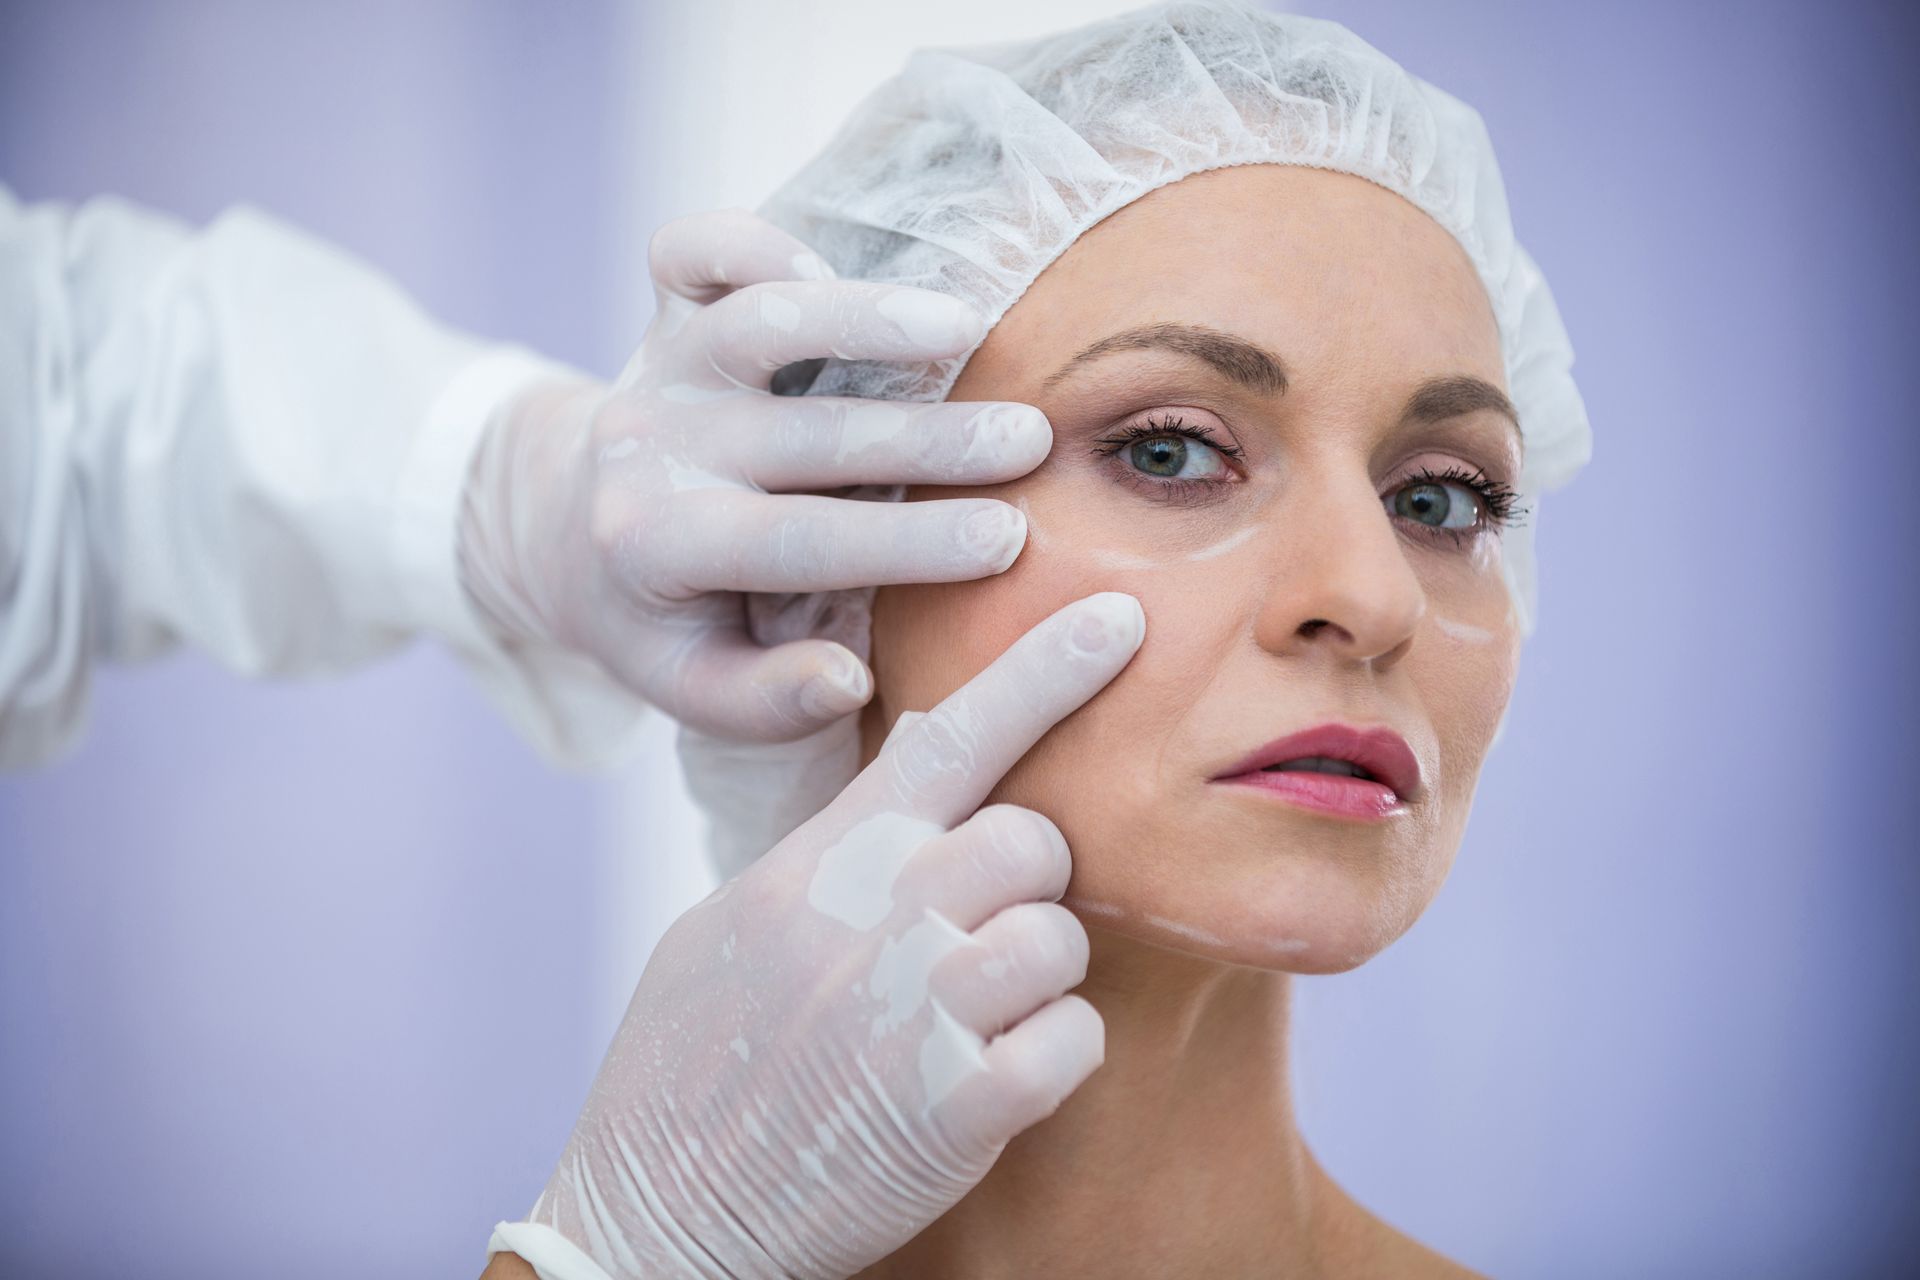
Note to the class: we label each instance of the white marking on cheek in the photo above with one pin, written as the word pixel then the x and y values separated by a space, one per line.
pixel 868 424
pixel 1120 559
pixel 1225 545
pixel 1106 909
pixel 1192 932
pixel 853 882
pixel 1464 632
pixel 948 1055
pixel 1035 538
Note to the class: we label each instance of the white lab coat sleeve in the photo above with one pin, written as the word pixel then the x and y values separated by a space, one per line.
pixel 241 440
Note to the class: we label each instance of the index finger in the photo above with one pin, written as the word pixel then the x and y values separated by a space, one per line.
pixel 705 256
pixel 942 766
pixel 753 332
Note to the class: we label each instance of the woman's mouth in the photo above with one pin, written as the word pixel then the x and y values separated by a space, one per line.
pixel 1367 774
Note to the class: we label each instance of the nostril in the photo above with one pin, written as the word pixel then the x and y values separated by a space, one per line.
pixel 1312 627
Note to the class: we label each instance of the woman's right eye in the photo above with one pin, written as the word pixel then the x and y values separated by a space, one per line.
pixel 1172 457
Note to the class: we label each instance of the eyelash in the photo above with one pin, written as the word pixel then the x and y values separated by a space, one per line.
pixel 1500 506
pixel 1176 492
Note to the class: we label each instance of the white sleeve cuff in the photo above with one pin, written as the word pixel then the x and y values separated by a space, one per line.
pixel 427 520
pixel 551 1255
pixel 566 705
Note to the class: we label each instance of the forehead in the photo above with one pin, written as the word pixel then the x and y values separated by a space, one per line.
pixel 1339 276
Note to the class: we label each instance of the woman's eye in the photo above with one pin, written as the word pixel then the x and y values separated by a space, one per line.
pixel 1436 503
pixel 1176 458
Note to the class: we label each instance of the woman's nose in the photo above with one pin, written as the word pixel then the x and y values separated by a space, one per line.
pixel 1340 582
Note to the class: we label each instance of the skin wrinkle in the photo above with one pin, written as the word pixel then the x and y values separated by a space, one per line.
pixel 1201 899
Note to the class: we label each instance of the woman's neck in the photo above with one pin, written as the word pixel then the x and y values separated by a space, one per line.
pixel 1180 1156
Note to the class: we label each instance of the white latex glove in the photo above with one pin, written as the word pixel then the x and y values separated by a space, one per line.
pixel 622 524
pixel 833 1048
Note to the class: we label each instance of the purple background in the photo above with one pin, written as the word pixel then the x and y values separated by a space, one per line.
pixel 298 980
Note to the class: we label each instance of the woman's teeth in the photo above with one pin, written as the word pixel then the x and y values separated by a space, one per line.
pixel 1319 764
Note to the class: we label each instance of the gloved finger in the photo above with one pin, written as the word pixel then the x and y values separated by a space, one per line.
pixel 705 256
pixel 942 768
pixel 823 442
pixel 752 332
pixel 1024 1076
pixel 726 685
pixel 1002 855
pixel 1027 956
pixel 728 540
pixel 902 722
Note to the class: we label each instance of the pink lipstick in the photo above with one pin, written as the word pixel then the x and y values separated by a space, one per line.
pixel 1368 774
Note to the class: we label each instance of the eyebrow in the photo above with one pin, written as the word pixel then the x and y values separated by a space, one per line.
pixel 1438 399
pixel 1249 365
pixel 1258 369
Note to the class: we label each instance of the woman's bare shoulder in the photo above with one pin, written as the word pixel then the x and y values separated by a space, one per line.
pixel 1355 1242
pixel 1411 1258
pixel 1379 1250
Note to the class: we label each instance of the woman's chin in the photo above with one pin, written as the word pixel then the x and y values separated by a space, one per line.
pixel 1317 903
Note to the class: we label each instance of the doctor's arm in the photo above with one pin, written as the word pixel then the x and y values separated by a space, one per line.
pixel 237 439
pixel 242 440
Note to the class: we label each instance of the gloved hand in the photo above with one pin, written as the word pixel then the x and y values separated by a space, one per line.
pixel 833 1048
pixel 622 523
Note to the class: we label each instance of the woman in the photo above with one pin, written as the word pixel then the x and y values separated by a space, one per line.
pixel 1304 389
pixel 1301 464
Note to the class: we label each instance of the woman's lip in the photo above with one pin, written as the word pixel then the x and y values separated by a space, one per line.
pixel 1326 792
pixel 1381 752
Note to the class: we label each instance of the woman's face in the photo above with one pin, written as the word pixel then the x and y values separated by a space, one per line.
pixel 1279 420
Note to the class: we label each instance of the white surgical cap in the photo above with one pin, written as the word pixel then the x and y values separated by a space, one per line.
pixel 973 169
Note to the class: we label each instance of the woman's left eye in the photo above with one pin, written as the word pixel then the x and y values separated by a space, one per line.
pixel 1174 457
pixel 1438 504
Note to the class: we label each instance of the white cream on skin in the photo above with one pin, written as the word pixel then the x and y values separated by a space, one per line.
pixel 1193 933
pixel 1035 538
pixel 1464 632
pixel 1114 558
pixel 1226 544
pixel 1110 559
